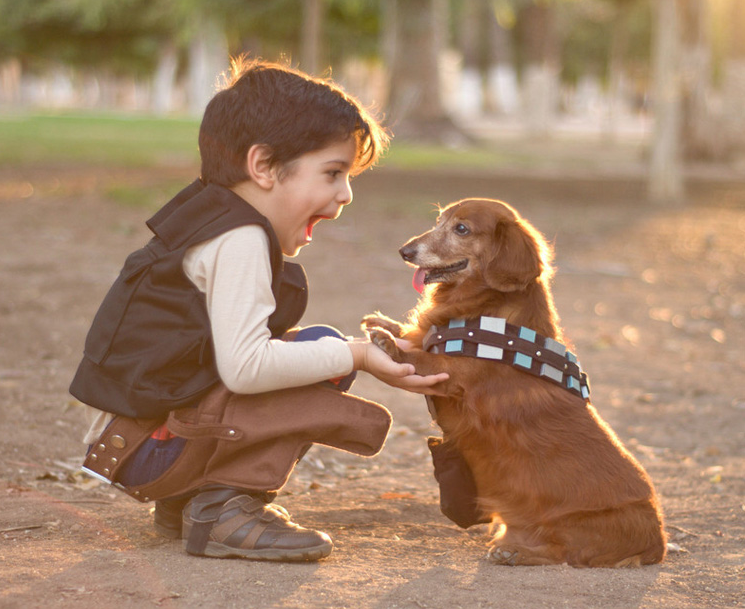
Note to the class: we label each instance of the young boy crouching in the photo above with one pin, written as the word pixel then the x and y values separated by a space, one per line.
pixel 205 392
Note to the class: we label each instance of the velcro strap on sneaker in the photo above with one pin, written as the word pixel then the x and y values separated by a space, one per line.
pixel 203 511
pixel 198 537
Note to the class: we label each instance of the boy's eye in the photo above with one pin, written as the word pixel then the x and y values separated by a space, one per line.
pixel 461 229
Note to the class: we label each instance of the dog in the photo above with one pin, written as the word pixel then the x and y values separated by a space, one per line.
pixel 552 477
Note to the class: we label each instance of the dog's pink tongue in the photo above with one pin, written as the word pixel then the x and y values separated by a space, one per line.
pixel 418 281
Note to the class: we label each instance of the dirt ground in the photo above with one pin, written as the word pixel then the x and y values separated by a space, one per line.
pixel 653 298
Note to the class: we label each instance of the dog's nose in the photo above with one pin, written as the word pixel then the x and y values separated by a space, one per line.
pixel 408 252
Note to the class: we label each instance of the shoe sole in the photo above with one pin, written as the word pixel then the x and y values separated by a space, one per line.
pixel 218 550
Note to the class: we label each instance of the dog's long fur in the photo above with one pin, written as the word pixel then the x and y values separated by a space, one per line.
pixel 547 468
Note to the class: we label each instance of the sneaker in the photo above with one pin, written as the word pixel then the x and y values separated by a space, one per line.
pixel 168 517
pixel 243 526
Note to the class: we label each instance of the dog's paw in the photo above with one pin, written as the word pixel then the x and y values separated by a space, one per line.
pixel 502 556
pixel 384 340
pixel 378 320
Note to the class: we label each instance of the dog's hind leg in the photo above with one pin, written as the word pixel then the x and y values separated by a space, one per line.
pixel 629 536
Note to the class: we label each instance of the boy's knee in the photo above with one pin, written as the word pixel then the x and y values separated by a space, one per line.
pixel 316 332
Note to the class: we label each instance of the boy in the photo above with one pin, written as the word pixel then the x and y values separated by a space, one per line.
pixel 214 398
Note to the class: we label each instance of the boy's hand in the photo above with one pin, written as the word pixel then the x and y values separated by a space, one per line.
pixel 371 359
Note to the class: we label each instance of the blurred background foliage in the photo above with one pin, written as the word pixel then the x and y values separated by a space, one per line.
pixel 444 72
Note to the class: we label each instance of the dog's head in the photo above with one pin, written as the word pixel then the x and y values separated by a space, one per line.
pixel 480 240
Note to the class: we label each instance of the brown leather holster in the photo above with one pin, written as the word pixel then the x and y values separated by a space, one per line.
pixel 250 442
pixel 458 492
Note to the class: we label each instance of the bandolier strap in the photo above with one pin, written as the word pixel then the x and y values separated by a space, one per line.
pixel 520 347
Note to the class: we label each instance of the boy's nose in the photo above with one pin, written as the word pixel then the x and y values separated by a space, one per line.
pixel 346 195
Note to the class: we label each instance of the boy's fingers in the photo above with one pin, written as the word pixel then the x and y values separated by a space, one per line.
pixel 416 380
pixel 436 378
pixel 410 370
pixel 401 370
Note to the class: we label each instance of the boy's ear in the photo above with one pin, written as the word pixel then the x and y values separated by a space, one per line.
pixel 259 167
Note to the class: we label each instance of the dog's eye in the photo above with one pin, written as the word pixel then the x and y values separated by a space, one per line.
pixel 461 229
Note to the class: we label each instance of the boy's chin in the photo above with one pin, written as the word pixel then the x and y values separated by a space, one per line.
pixel 293 248
pixel 289 253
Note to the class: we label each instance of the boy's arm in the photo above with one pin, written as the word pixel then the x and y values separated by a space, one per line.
pixel 234 272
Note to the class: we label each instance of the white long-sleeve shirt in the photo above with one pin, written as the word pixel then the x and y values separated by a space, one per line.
pixel 233 270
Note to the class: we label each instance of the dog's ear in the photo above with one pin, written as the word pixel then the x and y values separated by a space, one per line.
pixel 515 260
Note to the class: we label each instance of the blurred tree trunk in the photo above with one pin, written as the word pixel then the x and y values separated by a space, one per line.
pixel 10 82
pixel 470 88
pixel 541 77
pixel 164 79
pixel 733 90
pixel 701 132
pixel 666 172
pixel 502 88
pixel 310 60
pixel 208 57
pixel 415 102
pixel 616 69
pixel 388 37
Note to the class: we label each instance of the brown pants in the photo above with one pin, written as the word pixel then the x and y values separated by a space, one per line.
pixel 250 442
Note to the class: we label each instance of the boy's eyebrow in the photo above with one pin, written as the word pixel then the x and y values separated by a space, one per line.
pixel 339 161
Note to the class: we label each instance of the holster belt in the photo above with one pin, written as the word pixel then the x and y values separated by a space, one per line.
pixel 121 438
pixel 250 442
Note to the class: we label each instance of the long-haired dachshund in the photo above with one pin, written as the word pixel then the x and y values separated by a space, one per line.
pixel 547 469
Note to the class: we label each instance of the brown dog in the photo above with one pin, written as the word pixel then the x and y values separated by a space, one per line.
pixel 546 467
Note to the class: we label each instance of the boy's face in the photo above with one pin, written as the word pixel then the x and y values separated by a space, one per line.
pixel 314 187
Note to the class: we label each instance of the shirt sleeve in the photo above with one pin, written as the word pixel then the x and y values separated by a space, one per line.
pixel 234 272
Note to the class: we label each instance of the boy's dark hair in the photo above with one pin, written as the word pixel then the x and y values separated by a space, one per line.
pixel 288 111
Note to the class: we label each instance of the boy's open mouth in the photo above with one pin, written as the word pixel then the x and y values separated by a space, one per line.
pixel 311 223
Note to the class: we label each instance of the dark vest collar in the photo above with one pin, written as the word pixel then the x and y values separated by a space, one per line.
pixel 202 211
pixel 197 209
pixel 520 347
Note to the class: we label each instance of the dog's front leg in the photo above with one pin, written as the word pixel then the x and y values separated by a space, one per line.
pixel 378 320
pixel 384 339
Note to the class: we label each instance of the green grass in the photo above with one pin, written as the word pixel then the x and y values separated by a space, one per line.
pixel 57 141
pixel 419 156
pixel 118 140
pixel 113 140
pixel 150 196
pixel 136 141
